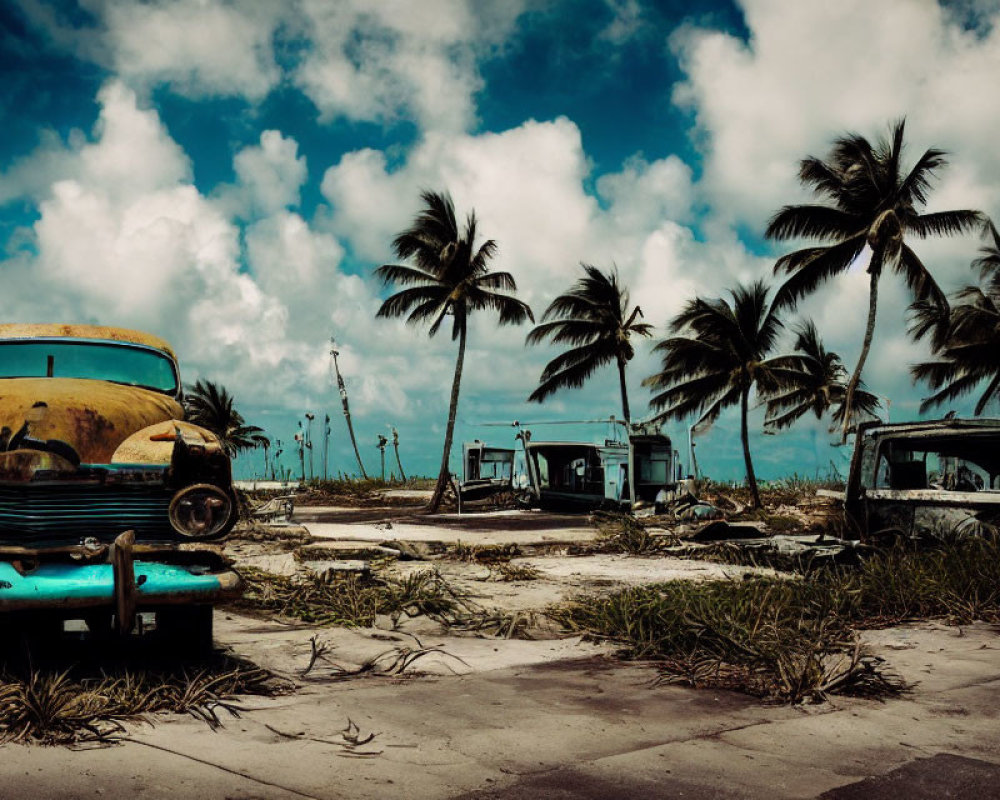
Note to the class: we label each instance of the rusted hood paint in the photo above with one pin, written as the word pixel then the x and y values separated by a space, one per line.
pixel 94 417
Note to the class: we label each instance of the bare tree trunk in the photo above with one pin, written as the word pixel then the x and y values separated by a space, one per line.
pixel 395 446
pixel 444 476
pixel 347 410
pixel 869 333
pixel 745 436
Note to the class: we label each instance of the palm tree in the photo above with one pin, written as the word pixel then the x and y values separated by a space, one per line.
pixel 450 276
pixel 813 379
pixel 929 318
pixel 970 354
pixel 593 317
pixel 966 341
pixel 211 406
pixel 717 353
pixel 872 204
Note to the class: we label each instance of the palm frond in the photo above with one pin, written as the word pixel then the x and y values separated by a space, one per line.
pixel 919 279
pixel 404 275
pixel 812 221
pixel 414 298
pixel 813 266
pixel 945 223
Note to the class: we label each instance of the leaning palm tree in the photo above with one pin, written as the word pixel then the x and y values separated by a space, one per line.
pixel 593 318
pixel 717 353
pixel 449 276
pixel 211 406
pixel 873 204
pixel 813 379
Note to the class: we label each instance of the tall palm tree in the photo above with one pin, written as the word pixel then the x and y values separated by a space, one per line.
pixel 717 353
pixel 873 204
pixel 211 406
pixel 449 276
pixel 593 317
pixel 813 379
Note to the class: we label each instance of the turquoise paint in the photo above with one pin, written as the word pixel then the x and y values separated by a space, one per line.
pixel 58 584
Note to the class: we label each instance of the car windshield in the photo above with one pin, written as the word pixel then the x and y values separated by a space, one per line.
pixel 119 363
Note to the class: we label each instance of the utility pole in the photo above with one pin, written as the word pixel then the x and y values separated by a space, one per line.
pixel 347 409
pixel 309 442
pixel 395 446
pixel 326 443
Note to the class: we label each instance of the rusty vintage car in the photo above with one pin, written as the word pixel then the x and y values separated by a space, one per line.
pixel 935 478
pixel 109 500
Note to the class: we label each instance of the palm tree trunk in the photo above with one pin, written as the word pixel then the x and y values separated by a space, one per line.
pixel 444 476
pixel 869 333
pixel 628 436
pixel 745 436
pixel 624 388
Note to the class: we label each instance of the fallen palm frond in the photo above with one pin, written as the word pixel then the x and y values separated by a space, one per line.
pixel 794 639
pixel 54 707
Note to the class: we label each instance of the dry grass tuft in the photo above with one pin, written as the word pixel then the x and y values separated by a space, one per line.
pixel 52 706
pixel 354 600
pixel 796 639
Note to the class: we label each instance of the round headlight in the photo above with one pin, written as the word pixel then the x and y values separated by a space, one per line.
pixel 200 510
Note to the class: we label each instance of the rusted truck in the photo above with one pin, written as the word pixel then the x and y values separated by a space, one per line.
pixel 938 478
pixel 109 500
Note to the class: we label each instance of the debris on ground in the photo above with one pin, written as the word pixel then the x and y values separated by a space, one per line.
pixel 275 510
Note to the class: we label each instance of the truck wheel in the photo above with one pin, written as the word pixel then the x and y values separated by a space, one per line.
pixel 186 630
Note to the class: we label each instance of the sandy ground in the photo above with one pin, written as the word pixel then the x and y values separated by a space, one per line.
pixel 550 718
pixel 576 727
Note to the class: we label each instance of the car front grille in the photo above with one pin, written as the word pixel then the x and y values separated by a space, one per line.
pixel 66 514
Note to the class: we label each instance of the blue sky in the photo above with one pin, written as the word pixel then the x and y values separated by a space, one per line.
pixel 227 175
